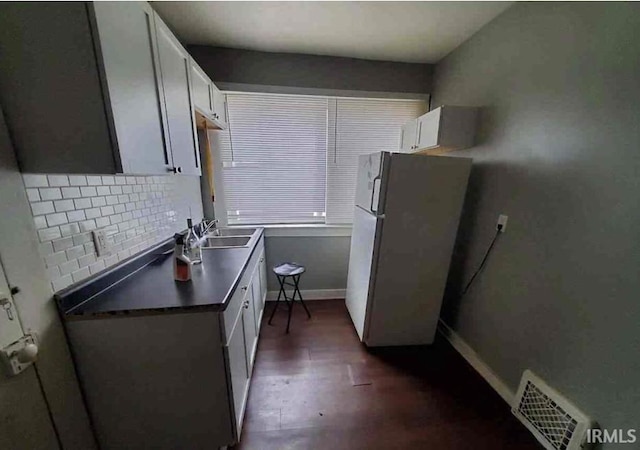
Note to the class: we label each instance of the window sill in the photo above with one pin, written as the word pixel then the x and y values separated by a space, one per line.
pixel 302 230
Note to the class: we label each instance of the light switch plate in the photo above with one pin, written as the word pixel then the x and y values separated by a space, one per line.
pixel 100 241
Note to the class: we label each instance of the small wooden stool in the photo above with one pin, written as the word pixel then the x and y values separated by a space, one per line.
pixel 283 271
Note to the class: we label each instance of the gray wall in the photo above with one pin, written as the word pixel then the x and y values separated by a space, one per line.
pixel 559 153
pixel 310 71
pixel 325 258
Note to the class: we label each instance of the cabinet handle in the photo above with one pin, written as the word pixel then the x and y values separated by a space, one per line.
pixel 174 169
pixel 244 288
pixel 246 305
pixel 261 259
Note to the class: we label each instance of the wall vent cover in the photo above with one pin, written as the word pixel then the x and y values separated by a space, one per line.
pixel 552 419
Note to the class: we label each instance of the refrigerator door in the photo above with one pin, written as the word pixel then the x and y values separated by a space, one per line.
pixel 371 180
pixel 362 266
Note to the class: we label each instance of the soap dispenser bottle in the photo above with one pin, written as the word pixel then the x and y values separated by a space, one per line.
pixel 181 263
pixel 192 243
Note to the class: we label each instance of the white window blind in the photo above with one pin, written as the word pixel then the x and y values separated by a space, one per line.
pixel 274 159
pixel 358 127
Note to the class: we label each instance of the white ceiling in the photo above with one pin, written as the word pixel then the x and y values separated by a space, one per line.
pixel 391 31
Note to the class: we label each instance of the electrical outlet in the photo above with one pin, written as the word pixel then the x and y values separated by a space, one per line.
pixel 100 241
pixel 502 220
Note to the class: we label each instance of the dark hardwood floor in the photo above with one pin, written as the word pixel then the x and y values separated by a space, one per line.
pixel 320 388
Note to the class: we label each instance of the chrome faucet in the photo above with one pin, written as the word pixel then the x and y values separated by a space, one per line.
pixel 208 226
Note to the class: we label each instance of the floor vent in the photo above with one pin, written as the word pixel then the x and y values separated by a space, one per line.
pixel 555 422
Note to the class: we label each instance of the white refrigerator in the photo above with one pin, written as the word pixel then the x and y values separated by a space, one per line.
pixel 406 215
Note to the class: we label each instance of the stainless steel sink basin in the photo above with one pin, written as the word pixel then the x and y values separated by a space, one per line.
pixel 226 241
pixel 234 232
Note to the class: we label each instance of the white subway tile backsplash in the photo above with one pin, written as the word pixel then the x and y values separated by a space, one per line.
pixel 56 219
pixel 75 216
pixel 88 191
pixel 82 238
pixel 102 222
pixel 77 180
pixel 87 260
pixel 80 275
pixel 49 234
pixel 58 180
pixel 69 229
pixel 98 201
pixel 68 267
pixel 97 267
pixel 88 225
pixel 63 205
pixel 82 203
pixel 40 222
pixel 135 211
pixel 61 283
pixel 94 180
pixel 92 213
pixel 33 195
pixel 50 193
pixel 55 259
pixel 70 192
pixel 75 253
pixel 103 190
pixel 34 181
pixel 63 244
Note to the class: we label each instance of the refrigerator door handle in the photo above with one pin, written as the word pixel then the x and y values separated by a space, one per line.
pixel 373 193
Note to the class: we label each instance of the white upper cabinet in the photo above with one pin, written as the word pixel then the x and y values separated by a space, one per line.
pixel 444 129
pixel 132 76
pixel 175 68
pixel 126 102
pixel 202 90
pixel 219 107
pixel 409 136
pixel 209 102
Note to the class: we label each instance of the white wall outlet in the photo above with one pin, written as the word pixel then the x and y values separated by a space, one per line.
pixel 100 241
pixel 502 220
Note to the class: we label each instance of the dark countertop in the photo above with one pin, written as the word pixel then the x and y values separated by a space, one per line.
pixel 153 288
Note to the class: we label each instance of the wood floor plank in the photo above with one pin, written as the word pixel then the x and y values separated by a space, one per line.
pixel 318 387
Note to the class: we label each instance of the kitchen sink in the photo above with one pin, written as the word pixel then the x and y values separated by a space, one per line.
pixel 226 241
pixel 233 232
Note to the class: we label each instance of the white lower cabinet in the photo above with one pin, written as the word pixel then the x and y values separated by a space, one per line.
pixel 237 367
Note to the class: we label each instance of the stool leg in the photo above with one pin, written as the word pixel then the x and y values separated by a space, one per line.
pixel 277 301
pixel 296 279
pixel 293 299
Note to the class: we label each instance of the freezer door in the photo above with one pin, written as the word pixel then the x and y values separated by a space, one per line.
pixel 361 266
pixel 370 184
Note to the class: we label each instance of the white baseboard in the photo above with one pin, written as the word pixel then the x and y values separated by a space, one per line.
pixel 477 363
pixel 312 294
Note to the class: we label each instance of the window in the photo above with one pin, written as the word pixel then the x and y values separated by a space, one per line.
pixel 293 159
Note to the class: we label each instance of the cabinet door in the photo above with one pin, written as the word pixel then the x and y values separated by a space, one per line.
pixel 132 77
pixel 428 129
pixel 219 106
pixel 408 136
pixel 257 298
pixel 175 67
pixel 201 86
pixel 238 369
pixel 250 334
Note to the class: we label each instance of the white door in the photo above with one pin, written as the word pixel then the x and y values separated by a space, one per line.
pixel 428 128
pixel 24 422
pixel 238 369
pixel 219 105
pixel 201 87
pixel 408 136
pixel 175 66
pixel 361 266
pixel 127 43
